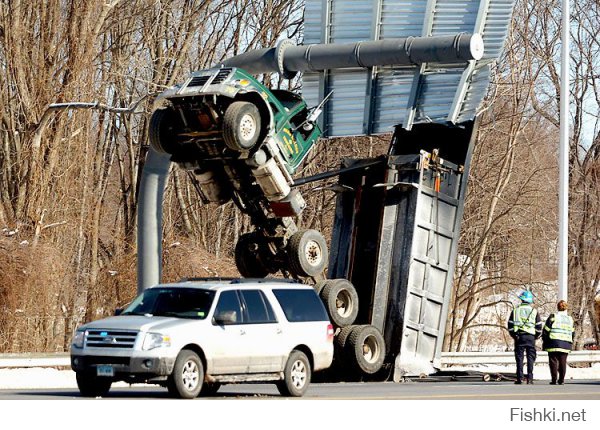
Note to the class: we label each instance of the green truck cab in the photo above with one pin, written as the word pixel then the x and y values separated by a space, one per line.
pixel 257 114
pixel 242 141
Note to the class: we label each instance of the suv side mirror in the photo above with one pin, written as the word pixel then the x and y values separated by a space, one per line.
pixel 226 318
pixel 118 311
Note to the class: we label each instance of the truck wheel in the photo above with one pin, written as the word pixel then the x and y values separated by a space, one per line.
pixel 241 126
pixel 342 338
pixel 296 375
pixel 247 258
pixel 92 386
pixel 366 348
pixel 161 131
pixel 307 252
pixel 188 375
pixel 341 300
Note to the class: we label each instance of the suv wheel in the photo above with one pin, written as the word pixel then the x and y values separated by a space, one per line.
pixel 341 300
pixel 92 386
pixel 307 252
pixel 296 375
pixel 188 375
pixel 241 126
pixel 210 389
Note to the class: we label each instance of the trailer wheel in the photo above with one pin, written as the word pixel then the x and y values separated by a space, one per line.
pixel 342 338
pixel 241 126
pixel 162 131
pixel 366 348
pixel 307 252
pixel 247 257
pixel 341 300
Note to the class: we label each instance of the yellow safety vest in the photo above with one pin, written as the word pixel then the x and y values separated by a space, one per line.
pixel 562 327
pixel 524 319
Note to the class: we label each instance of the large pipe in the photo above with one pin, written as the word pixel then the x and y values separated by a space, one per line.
pixel 149 219
pixel 288 59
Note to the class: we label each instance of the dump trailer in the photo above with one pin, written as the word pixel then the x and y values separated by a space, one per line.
pixel 395 237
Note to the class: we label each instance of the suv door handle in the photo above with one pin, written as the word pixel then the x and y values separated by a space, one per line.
pixel 279 331
pixel 242 332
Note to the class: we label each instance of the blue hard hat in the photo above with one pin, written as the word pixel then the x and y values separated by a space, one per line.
pixel 526 297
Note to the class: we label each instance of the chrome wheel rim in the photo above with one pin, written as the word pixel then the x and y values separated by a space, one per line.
pixel 190 376
pixel 299 374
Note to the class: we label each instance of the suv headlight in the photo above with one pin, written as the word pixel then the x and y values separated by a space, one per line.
pixel 155 340
pixel 78 339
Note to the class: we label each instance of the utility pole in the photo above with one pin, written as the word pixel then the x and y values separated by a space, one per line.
pixel 563 196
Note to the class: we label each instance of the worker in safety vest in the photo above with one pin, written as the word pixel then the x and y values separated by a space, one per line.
pixel 558 341
pixel 525 326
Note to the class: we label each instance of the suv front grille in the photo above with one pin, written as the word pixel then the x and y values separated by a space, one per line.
pixel 110 339
pixel 221 76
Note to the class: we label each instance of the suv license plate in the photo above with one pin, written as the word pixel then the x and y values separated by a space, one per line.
pixel 105 370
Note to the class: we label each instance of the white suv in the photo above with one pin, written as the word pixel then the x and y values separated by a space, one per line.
pixel 194 336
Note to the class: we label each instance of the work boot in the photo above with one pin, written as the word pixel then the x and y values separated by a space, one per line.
pixel 518 382
pixel 552 382
pixel 529 381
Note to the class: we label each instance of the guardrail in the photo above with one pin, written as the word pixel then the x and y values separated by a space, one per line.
pixel 474 358
pixel 449 359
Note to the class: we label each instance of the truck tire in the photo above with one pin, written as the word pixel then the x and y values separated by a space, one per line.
pixel 296 375
pixel 307 253
pixel 241 126
pixel 247 258
pixel 366 348
pixel 341 301
pixel 188 375
pixel 341 339
pixel 92 385
pixel 162 131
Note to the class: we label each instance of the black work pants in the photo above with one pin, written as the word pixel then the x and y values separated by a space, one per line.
pixel 558 366
pixel 525 343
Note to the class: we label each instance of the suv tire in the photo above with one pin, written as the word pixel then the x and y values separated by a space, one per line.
pixel 92 385
pixel 296 375
pixel 241 126
pixel 365 347
pixel 307 253
pixel 188 375
pixel 341 301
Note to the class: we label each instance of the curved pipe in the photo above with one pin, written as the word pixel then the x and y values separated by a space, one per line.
pixel 288 59
pixel 149 219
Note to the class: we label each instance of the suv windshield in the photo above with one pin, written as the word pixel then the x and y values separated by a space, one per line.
pixel 173 302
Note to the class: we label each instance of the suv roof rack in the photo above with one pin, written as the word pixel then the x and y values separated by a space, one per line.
pixel 239 280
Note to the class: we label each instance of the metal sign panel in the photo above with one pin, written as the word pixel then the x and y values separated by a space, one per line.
pixel 374 100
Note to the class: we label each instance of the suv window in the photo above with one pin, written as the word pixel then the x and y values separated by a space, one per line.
pixel 258 307
pixel 230 303
pixel 177 302
pixel 301 305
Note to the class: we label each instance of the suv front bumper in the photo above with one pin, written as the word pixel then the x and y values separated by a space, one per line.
pixel 142 366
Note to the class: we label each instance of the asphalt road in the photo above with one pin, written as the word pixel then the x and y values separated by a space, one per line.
pixel 572 390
